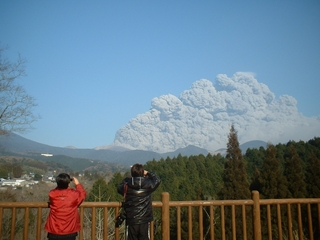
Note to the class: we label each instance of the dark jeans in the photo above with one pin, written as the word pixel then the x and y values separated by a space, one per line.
pixel 71 236
pixel 138 232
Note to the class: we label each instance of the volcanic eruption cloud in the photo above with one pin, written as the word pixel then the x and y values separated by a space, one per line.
pixel 202 116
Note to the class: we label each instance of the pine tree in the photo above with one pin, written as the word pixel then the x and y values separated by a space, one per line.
pixel 254 159
pixel 313 188
pixel 274 184
pixel 294 174
pixel 112 186
pixel 235 182
pixel 98 192
pixel 256 184
pixel 313 176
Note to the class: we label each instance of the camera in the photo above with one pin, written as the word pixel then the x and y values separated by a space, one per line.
pixel 120 218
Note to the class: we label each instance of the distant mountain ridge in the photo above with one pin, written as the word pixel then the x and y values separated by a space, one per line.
pixel 17 144
pixel 251 144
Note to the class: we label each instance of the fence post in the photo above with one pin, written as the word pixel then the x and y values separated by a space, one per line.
pixel 256 215
pixel 165 229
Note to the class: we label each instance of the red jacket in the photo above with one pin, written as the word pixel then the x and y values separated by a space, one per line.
pixel 64 217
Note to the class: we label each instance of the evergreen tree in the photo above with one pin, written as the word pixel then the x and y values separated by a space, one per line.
pixel 254 159
pixel 98 192
pixel 313 149
pixel 17 170
pixel 235 181
pixel 37 177
pixel 214 167
pixel 274 184
pixel 313 176
pixel 295 178
pixel 5 170
pixel 313 188
pixel 256 184
pixel 112 186
pixel 316 144
pixel 294 174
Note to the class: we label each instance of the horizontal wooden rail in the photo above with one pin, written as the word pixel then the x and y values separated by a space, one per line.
pixel 214 219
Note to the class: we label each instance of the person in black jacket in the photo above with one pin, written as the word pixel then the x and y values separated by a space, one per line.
pixel 138 202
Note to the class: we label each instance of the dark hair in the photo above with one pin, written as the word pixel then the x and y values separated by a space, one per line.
pixel 63 180
pixel 137 170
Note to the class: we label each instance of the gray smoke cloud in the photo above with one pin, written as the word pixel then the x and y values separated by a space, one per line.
pixel 202 116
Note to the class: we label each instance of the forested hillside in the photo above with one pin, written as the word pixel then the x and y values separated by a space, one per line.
pixel 289 170
pixel 279 171
pixel 16 165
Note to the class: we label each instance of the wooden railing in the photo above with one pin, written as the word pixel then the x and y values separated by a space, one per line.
pixel 252 219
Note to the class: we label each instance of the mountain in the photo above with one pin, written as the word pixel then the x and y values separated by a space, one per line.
pixel 17 144
pixel 251 144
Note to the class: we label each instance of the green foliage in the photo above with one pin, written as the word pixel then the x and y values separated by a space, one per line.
pixel 256 181
pixel 99 191
pixel 313 176
pixel 313 188
pixel 113 185
pixel 34 164
pixel 314 145
pixel 276 172
pixel 37 177
pixel 4 170
pixel 14 167
pixel 37 163
pixel 193 178
pixel 204 177
pixel 188 178
pixel 294 174
pixel 235 180
pixel 74 164
pixel 17 170
pixel 254 159
pixel 274 184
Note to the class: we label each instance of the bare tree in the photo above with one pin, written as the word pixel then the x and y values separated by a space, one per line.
pixel 16 106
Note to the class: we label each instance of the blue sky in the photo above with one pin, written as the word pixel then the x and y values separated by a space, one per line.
pixel 93 66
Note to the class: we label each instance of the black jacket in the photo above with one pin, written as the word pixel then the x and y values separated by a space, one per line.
pixel 138 203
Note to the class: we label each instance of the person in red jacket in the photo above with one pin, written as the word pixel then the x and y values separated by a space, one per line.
pixel 64 220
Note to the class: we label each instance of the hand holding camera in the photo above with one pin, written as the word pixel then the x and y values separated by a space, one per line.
pixel 120 218
pixel 75 180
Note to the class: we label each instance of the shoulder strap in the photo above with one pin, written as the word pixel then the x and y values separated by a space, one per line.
pixel 125 189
